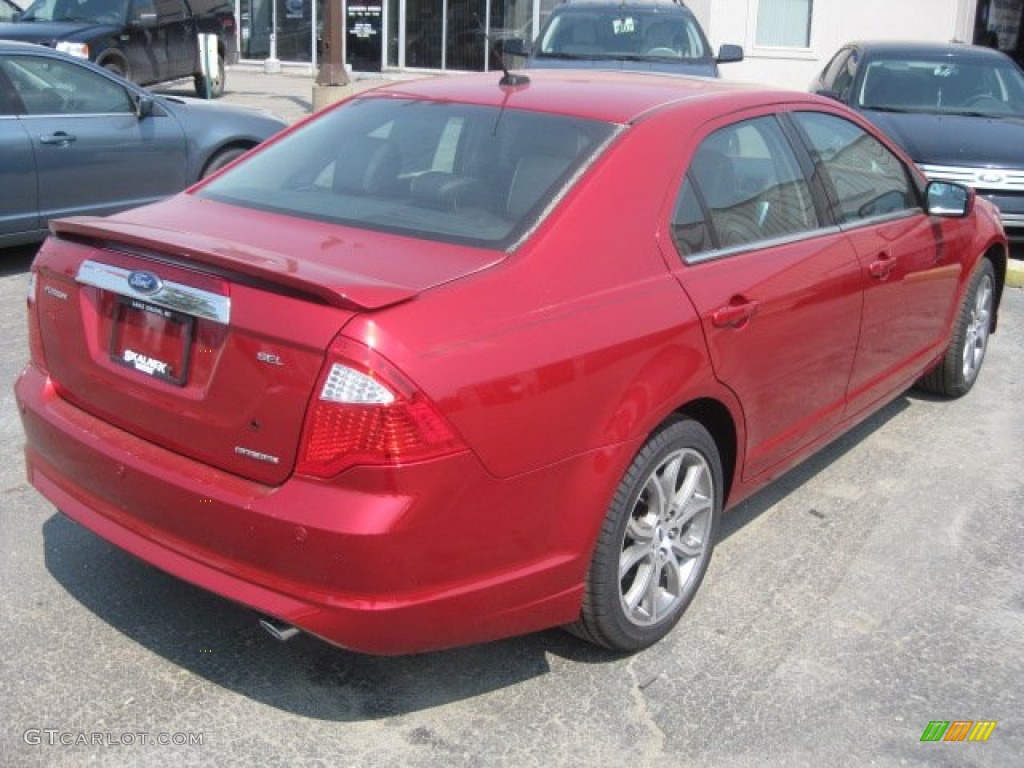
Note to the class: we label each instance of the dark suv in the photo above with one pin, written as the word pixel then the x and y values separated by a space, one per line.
pixel 647 35
pixel 146 41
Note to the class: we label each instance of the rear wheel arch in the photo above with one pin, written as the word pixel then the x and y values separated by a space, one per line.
pixel 716 418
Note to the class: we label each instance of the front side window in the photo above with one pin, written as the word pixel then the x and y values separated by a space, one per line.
pixel 46 86
pixel 867 179
pixel 451 172
pixel 752 189
pixel 784 23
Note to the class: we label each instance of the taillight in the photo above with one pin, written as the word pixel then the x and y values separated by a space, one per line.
pixel 366 413
pixel 35 336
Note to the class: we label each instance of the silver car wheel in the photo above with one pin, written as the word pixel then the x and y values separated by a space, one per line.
pixel 978 325
pixel 666 537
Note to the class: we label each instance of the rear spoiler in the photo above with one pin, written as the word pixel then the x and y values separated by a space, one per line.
pixel 332 286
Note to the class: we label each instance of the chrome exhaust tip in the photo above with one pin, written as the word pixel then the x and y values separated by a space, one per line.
pixel 279 630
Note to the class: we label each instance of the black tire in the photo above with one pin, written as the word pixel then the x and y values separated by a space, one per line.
pixel 115 66
pixel 961 363
pixel 662 556
pixel 221 159
pixel 216 82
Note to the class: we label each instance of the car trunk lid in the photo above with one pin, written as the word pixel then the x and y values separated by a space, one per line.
pixel 210 345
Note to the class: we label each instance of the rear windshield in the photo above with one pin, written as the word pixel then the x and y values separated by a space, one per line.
pixel 452 172
pixel 621 32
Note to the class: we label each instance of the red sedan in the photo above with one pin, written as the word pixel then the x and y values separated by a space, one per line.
pixel 461 359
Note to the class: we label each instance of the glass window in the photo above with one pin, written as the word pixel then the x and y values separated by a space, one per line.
pixel 784 23
pixel 689 228
pixel 867 178
pixel 840 71
pixel 451 172
pixel 51 87
pixel 751 184
pixel 943 84
pixel 622 31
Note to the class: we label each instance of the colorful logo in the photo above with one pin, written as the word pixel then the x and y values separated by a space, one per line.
pixel 958 730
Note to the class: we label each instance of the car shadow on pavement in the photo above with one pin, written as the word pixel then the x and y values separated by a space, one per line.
pixel 221 641
pixel 16 260
pixel 785 484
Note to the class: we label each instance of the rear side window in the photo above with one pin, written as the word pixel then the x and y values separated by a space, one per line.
pixel 751 188
pixel 866 178
pixel 452 172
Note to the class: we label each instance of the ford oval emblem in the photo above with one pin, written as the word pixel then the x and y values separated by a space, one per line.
pixel 991 177
pixel 144 282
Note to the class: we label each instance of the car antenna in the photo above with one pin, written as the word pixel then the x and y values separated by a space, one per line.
pixel 508 78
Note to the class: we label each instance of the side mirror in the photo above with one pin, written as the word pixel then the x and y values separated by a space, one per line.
pixel 143 107
pixel 728 54
pixel 144 18
pixel 945 198
pixel 514 46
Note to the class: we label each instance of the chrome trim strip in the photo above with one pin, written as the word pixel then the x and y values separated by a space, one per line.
pixel 757 245
pixel 172 295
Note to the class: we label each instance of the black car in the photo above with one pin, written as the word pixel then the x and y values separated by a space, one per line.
pixel 957 109
pixel 76 139
pixel 638 35
pixel 145 41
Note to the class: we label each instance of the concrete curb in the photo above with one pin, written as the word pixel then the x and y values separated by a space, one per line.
pixel 1015 273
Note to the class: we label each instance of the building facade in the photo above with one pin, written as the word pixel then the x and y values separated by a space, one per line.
pixel 786 41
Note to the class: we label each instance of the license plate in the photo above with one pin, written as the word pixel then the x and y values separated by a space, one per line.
pixel 152 340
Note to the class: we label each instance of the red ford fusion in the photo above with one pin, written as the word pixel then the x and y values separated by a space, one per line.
pixel 471 357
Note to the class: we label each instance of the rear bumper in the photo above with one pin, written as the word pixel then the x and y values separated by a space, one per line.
pixel 395 561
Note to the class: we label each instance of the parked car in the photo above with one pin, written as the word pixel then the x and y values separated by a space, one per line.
pixel 76 139
pixel 956 109
pixel 652 35
pixel 142 40
pixel 8 10
pixel 458 359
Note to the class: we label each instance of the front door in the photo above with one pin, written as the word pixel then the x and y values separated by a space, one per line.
pixel 93 154
pixel 908 262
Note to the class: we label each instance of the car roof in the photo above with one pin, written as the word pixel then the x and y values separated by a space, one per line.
pixel 612 96
pixel 918 48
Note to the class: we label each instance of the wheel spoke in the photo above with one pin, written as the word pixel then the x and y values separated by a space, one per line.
pixel 631 556
pixel 688 502
pixel 638 589
pixel 688 546
pixel 652 593
pixel 667 480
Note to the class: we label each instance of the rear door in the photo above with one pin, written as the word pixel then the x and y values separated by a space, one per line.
pixel 778 293
pixel 909 264
pixel 93 154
